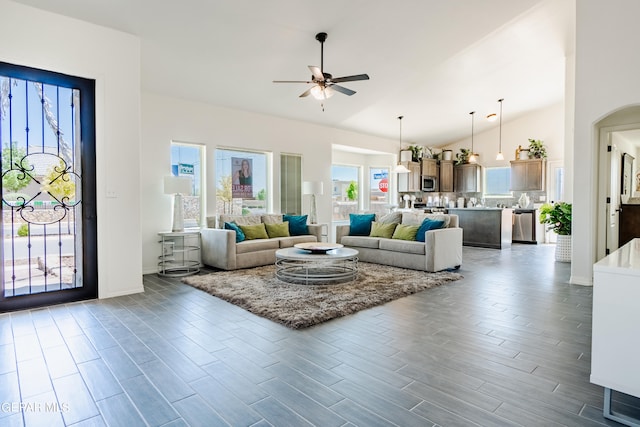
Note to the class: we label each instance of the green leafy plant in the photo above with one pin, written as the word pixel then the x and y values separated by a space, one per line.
pixel 557 217
pixel 416 152
pixel 352 191
pixel 14 179
pixel 23 230
pixel 463 156
pixel 537 150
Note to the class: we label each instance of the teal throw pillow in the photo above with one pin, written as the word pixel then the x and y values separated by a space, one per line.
pixel 233 226
pixel 428 224
pixel 297 224
pixel 360 224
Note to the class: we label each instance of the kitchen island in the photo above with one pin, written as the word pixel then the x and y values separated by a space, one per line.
pixel 485 227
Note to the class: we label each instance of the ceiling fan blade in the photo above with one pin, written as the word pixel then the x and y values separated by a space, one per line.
pixel 292 81
pixel 306 92
pixel 342 89
pixel 317 73
pixel 350 78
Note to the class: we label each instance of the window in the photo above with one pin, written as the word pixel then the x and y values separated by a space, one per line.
pixel 497 182
pixel 186 160
pixel 379 190
pixel 291 184
pixel 345 194
pixel 241 182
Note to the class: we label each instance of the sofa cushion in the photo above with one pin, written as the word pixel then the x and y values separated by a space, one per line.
pixel 240 219
pixel 390 218
pixel 428 224
pixel 361 241
pixel 360 224
pixel 256 245
pixel 233 226
pixel 415 218
pixel 257 231
pixel 287 242
pixel 280 229
pixel 403 246
pixel 271 218
pixel 297 224
pixel 405 232
pixel 382 230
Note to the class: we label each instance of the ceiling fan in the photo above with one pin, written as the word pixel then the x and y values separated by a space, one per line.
pixel 324 84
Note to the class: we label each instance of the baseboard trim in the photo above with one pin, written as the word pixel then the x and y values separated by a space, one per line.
pixel 582 281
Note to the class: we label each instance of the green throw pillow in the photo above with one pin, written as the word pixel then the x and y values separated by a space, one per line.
pixel 405 232
pixel 252 232
pixel 278 230
pixel 379 229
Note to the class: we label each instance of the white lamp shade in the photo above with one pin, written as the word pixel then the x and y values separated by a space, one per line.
pixel 177 185
pixel 400 168
pixel 313 187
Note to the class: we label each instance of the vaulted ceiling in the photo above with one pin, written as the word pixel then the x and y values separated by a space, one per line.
pixel 432 61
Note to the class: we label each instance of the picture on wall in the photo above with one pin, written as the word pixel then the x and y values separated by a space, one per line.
pixel 242 184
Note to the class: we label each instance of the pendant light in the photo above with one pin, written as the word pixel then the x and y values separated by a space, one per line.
pixel 400 168
pixel 472 157
pixel 500 156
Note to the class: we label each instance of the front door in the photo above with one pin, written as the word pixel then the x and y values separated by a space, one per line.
pixel 48 253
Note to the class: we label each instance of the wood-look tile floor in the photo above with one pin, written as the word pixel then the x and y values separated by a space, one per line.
pixel 507 345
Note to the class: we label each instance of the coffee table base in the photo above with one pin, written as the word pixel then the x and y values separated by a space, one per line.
pixel 308 272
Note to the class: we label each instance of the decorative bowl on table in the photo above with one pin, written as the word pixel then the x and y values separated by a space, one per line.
pixel 317 247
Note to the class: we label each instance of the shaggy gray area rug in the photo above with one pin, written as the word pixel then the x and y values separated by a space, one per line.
pixel 299 306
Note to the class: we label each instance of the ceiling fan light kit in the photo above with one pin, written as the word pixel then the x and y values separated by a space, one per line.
pixel 324 84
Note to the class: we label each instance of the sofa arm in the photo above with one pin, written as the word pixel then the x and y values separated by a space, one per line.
pixel 341 231
pixel 219 248
pixel 316 230
pixel 444 248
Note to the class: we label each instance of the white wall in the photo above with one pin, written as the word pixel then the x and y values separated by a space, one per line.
pixel 546 124
pixel 40 39
pixel 165 119
pixel 607 69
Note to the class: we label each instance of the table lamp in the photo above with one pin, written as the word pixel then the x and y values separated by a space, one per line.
pixel 177 185
pixel 313 188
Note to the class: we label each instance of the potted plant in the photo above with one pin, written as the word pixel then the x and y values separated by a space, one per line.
pixel 416 152
pixel 557 217
pixel 537 150
pixel 463 156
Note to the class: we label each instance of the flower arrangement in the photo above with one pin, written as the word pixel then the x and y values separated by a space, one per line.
pixel 557 217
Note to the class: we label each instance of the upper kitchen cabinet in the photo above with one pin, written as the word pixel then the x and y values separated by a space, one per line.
pixel 528 175
pixel 467 178
pixel 410 182
pixel 446 176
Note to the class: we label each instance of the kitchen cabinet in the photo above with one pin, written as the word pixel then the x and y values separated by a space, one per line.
pixel 430 167
pixel 527 175
pixel 446 176
pixel 467 178
pixel 410 182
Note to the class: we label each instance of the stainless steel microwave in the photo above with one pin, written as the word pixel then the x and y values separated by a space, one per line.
pixel 429 183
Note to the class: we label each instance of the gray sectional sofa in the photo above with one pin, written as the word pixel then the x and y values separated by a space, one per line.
pixel 220 250
pixel 441 250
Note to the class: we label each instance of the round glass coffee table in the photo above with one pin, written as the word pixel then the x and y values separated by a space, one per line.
pixel 317 265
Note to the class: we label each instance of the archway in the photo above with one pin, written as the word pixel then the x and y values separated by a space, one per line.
pixel 618 143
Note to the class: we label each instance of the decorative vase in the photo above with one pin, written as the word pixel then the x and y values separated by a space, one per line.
pixel 563 248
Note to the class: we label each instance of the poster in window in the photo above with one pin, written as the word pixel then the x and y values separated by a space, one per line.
pixel 242 183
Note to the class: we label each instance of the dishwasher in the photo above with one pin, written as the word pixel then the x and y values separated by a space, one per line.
pixel 524 226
